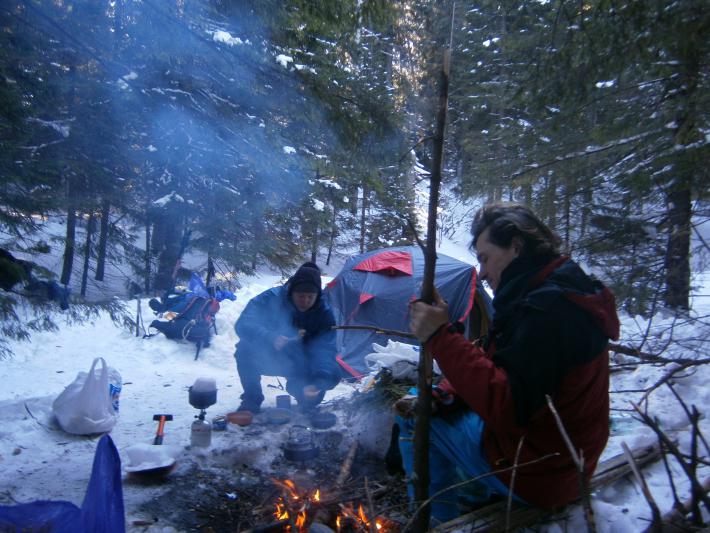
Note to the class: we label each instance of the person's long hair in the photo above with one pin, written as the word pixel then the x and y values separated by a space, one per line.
pixel 506 220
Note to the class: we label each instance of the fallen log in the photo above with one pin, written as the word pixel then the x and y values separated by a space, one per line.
pixel 492 517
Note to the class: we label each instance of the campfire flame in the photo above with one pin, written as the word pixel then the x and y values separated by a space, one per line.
pixel 294 506
pixel 297 507
pixel 357 520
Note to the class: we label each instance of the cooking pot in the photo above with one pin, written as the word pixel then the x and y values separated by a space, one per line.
pixel 300 445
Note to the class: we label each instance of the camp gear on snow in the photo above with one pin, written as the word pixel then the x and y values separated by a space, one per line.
pixel 240 418
pixel 200 433
pixel 300 445
pixel 323 419
pixel 152 460
pixel 190 315
pixel 194 323
pixel 278 415
pixel 85 406
pixel 115 384
pixel 219 423
pixel 202 394
pixel 399 358
pixel 374 289
pixel 101 511
pixel 283 401
pixel 161 427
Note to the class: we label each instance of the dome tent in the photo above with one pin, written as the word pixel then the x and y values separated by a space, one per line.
pixel 374 289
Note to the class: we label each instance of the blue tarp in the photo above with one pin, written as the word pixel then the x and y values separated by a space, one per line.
pixel 101 512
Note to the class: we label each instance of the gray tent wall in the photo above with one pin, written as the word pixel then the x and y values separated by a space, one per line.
pixel 380 299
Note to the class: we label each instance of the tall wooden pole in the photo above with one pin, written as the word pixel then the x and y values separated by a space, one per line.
pixel 421 429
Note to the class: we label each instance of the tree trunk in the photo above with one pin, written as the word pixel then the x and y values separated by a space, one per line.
pixel 677 293
pixel 103 240
pixel 210 270
pixel 333 232
pixel 363 212
pixel 69 245
pixel 677 265
pixel 167 244
pixel 87 253
pixel 567 214
pixel 549 208
pixel 146 279
pixel 314 242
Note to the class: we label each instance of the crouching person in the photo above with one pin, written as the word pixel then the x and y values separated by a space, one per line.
pixel 549 336
pixel 287 331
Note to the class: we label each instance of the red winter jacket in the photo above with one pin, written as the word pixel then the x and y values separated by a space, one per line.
pixel 550 331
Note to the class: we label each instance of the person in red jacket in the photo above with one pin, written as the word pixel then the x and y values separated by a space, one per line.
pixel 551 325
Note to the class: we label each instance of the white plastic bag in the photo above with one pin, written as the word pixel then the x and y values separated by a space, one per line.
pixel 85 407
pixel 402 359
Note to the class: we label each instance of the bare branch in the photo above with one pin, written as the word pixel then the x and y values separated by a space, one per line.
pixel 379 330
pixel 655 512
pixel 697 488
pixel 509 503
pixel 579 461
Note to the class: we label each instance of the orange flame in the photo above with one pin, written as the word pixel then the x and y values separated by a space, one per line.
pixel 358 519
pixel 292 505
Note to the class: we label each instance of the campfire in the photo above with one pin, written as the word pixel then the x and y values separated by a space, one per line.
pixel 297 509
pixel 349 520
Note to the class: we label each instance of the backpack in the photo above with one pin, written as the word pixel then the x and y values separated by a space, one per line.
pixel 194 322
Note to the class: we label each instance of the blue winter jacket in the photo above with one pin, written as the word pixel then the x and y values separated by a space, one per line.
pixel 272 313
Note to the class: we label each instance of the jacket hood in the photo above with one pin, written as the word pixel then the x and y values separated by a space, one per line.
pixel 563 276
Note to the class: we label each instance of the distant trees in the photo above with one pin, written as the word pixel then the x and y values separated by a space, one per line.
pixel 597 115
pixel 125 105
pixel 271 130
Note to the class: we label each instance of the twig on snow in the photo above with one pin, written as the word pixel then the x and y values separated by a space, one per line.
pixel 509 502
pixel 655 512
pixel 579 462
pixel 697 489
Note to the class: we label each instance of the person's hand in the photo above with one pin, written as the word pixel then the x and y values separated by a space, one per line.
pixel 426 319
pixel 406 406
pixel 280 342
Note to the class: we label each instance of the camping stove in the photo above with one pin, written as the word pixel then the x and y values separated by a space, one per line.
pixel 202 395
pixel 300 445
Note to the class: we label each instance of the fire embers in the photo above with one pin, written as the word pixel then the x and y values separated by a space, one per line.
pixel 294 509
pixel 351 521
pixel 302 511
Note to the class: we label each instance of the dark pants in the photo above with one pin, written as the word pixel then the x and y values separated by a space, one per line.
pixel 290 362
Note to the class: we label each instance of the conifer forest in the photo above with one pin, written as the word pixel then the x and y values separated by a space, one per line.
pixel 260 132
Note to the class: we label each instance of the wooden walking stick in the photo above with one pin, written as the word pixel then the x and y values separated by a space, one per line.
pixel 420 477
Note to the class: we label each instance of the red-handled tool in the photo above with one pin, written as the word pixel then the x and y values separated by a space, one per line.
pixel 161 427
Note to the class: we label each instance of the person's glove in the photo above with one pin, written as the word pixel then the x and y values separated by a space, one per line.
pixel 406 406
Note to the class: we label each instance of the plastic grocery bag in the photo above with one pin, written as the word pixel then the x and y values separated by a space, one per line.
pixel 85 406
pixel 101 512
pixel 400 358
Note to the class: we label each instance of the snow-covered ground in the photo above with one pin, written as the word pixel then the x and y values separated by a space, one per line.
pixel 39 461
